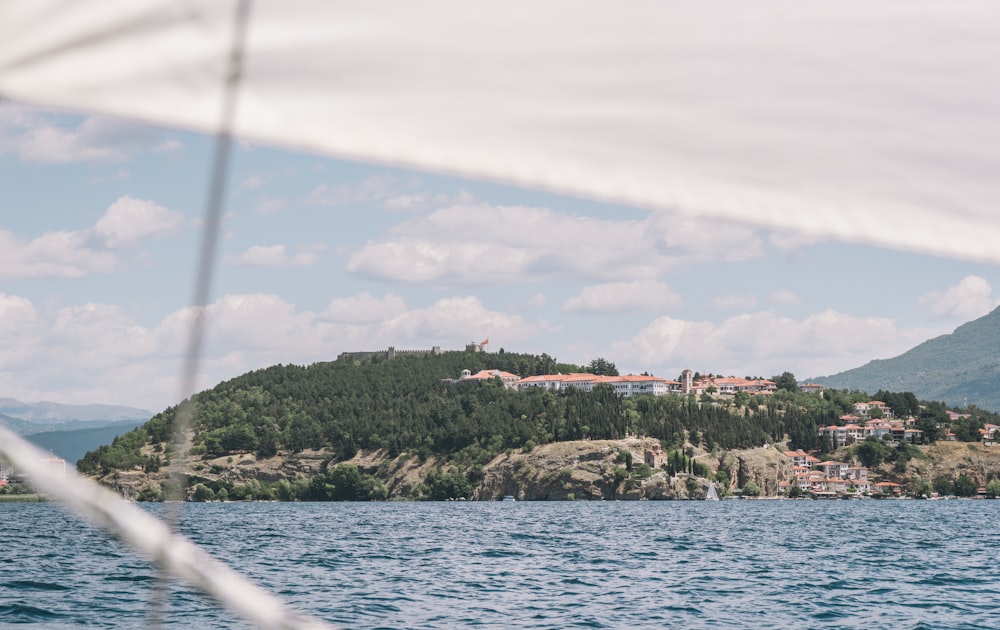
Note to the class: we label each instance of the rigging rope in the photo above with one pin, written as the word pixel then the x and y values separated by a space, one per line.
pixel 173 554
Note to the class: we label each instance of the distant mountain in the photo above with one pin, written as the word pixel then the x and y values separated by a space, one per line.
pixel 958 369
pixel 71 445
pixel 16 424
pixel 52 414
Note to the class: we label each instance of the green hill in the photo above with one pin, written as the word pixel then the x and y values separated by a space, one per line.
pixel 409 405
pixel 370 427
pixel 73 444
pixel 958 369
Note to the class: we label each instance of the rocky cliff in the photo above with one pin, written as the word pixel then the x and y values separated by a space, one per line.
pixel 583 470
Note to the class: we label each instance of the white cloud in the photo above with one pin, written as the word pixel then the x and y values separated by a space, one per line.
pixel 53 254
pixel 16 313
pixel 44 138
pixel 460 317
pixel 100 353
pixel 620 297
pixel 475 244
pixel 169 146
pixel 767 343
pixel 374 188
pixel 785 297
pixel 253 182
pixel 129 220
pixel 270 205
pixel 424 201
pixel 364 309
pixel 735 302
pixel 537 300
pixel 277 256
pixel 701 239
pixel 970 299
pixel 76 254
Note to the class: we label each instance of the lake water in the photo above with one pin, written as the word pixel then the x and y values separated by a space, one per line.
pixel 727 564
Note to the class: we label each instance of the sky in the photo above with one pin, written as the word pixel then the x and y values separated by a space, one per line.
pixel 100 229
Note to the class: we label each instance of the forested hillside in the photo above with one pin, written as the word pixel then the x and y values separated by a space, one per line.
pixel 409 405
pixel 376 428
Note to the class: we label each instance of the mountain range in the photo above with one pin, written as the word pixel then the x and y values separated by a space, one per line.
pixel 960 369
pixel 69 431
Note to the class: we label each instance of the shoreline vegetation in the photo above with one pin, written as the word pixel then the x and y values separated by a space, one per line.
pixel 24 498
pixel 406 428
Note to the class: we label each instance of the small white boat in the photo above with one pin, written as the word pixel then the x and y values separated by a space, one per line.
pixel 508 497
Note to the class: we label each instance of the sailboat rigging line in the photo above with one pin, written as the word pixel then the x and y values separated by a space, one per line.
pixel 158 540
pixel 151 537
pixel 175 489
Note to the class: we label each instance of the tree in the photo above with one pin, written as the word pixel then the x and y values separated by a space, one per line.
pixel 942 485
pixel 603 367
pixel 203 493
pixel 964 486
pixel 693 487
pixel 786 381
pixel 967 430
pixel 871 452
pixel 993 489
pixel 751 489
pixel 931 417
pixel 922 488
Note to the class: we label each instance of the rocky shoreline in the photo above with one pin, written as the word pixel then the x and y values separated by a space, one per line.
pixel 582 470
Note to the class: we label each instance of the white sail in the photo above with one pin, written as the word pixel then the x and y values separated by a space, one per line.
pixel 868 122
pixel 711 494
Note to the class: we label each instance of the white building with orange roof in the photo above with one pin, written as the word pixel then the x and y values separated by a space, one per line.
pixel 624 386
pixel 798 457
pixel 885 409
pixel 832 469
pixel 835 434
pixel 878 428
pixel 855 432
pixel 507 378
pixel 989 433
pixel 856 473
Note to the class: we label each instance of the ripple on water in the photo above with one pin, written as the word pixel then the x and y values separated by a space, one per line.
pixel 541 565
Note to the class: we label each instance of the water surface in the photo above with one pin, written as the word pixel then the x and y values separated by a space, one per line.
pixel 728 564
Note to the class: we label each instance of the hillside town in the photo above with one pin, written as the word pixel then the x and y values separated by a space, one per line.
pixel 871 419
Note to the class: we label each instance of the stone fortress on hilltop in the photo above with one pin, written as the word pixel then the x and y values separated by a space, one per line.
pixel 391 352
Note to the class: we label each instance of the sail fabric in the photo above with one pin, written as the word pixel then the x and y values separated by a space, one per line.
pixel 859 121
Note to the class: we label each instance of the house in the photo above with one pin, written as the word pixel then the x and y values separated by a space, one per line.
pixel 857 473
pixel 855 433
pixel 877 429
pixel 888 487
pixel 798 458
pixel 862 486
pixel 872 409
pixel 732 385
pixel 507 378
pixel 832 469
pixel 811 388
pixel 654 456
pixel 835 435
pixel 624 386
pixel 908 436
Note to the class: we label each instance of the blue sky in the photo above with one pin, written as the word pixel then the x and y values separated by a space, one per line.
pixel 99 237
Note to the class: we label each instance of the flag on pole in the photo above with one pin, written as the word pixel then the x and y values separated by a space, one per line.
pixel 484 341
